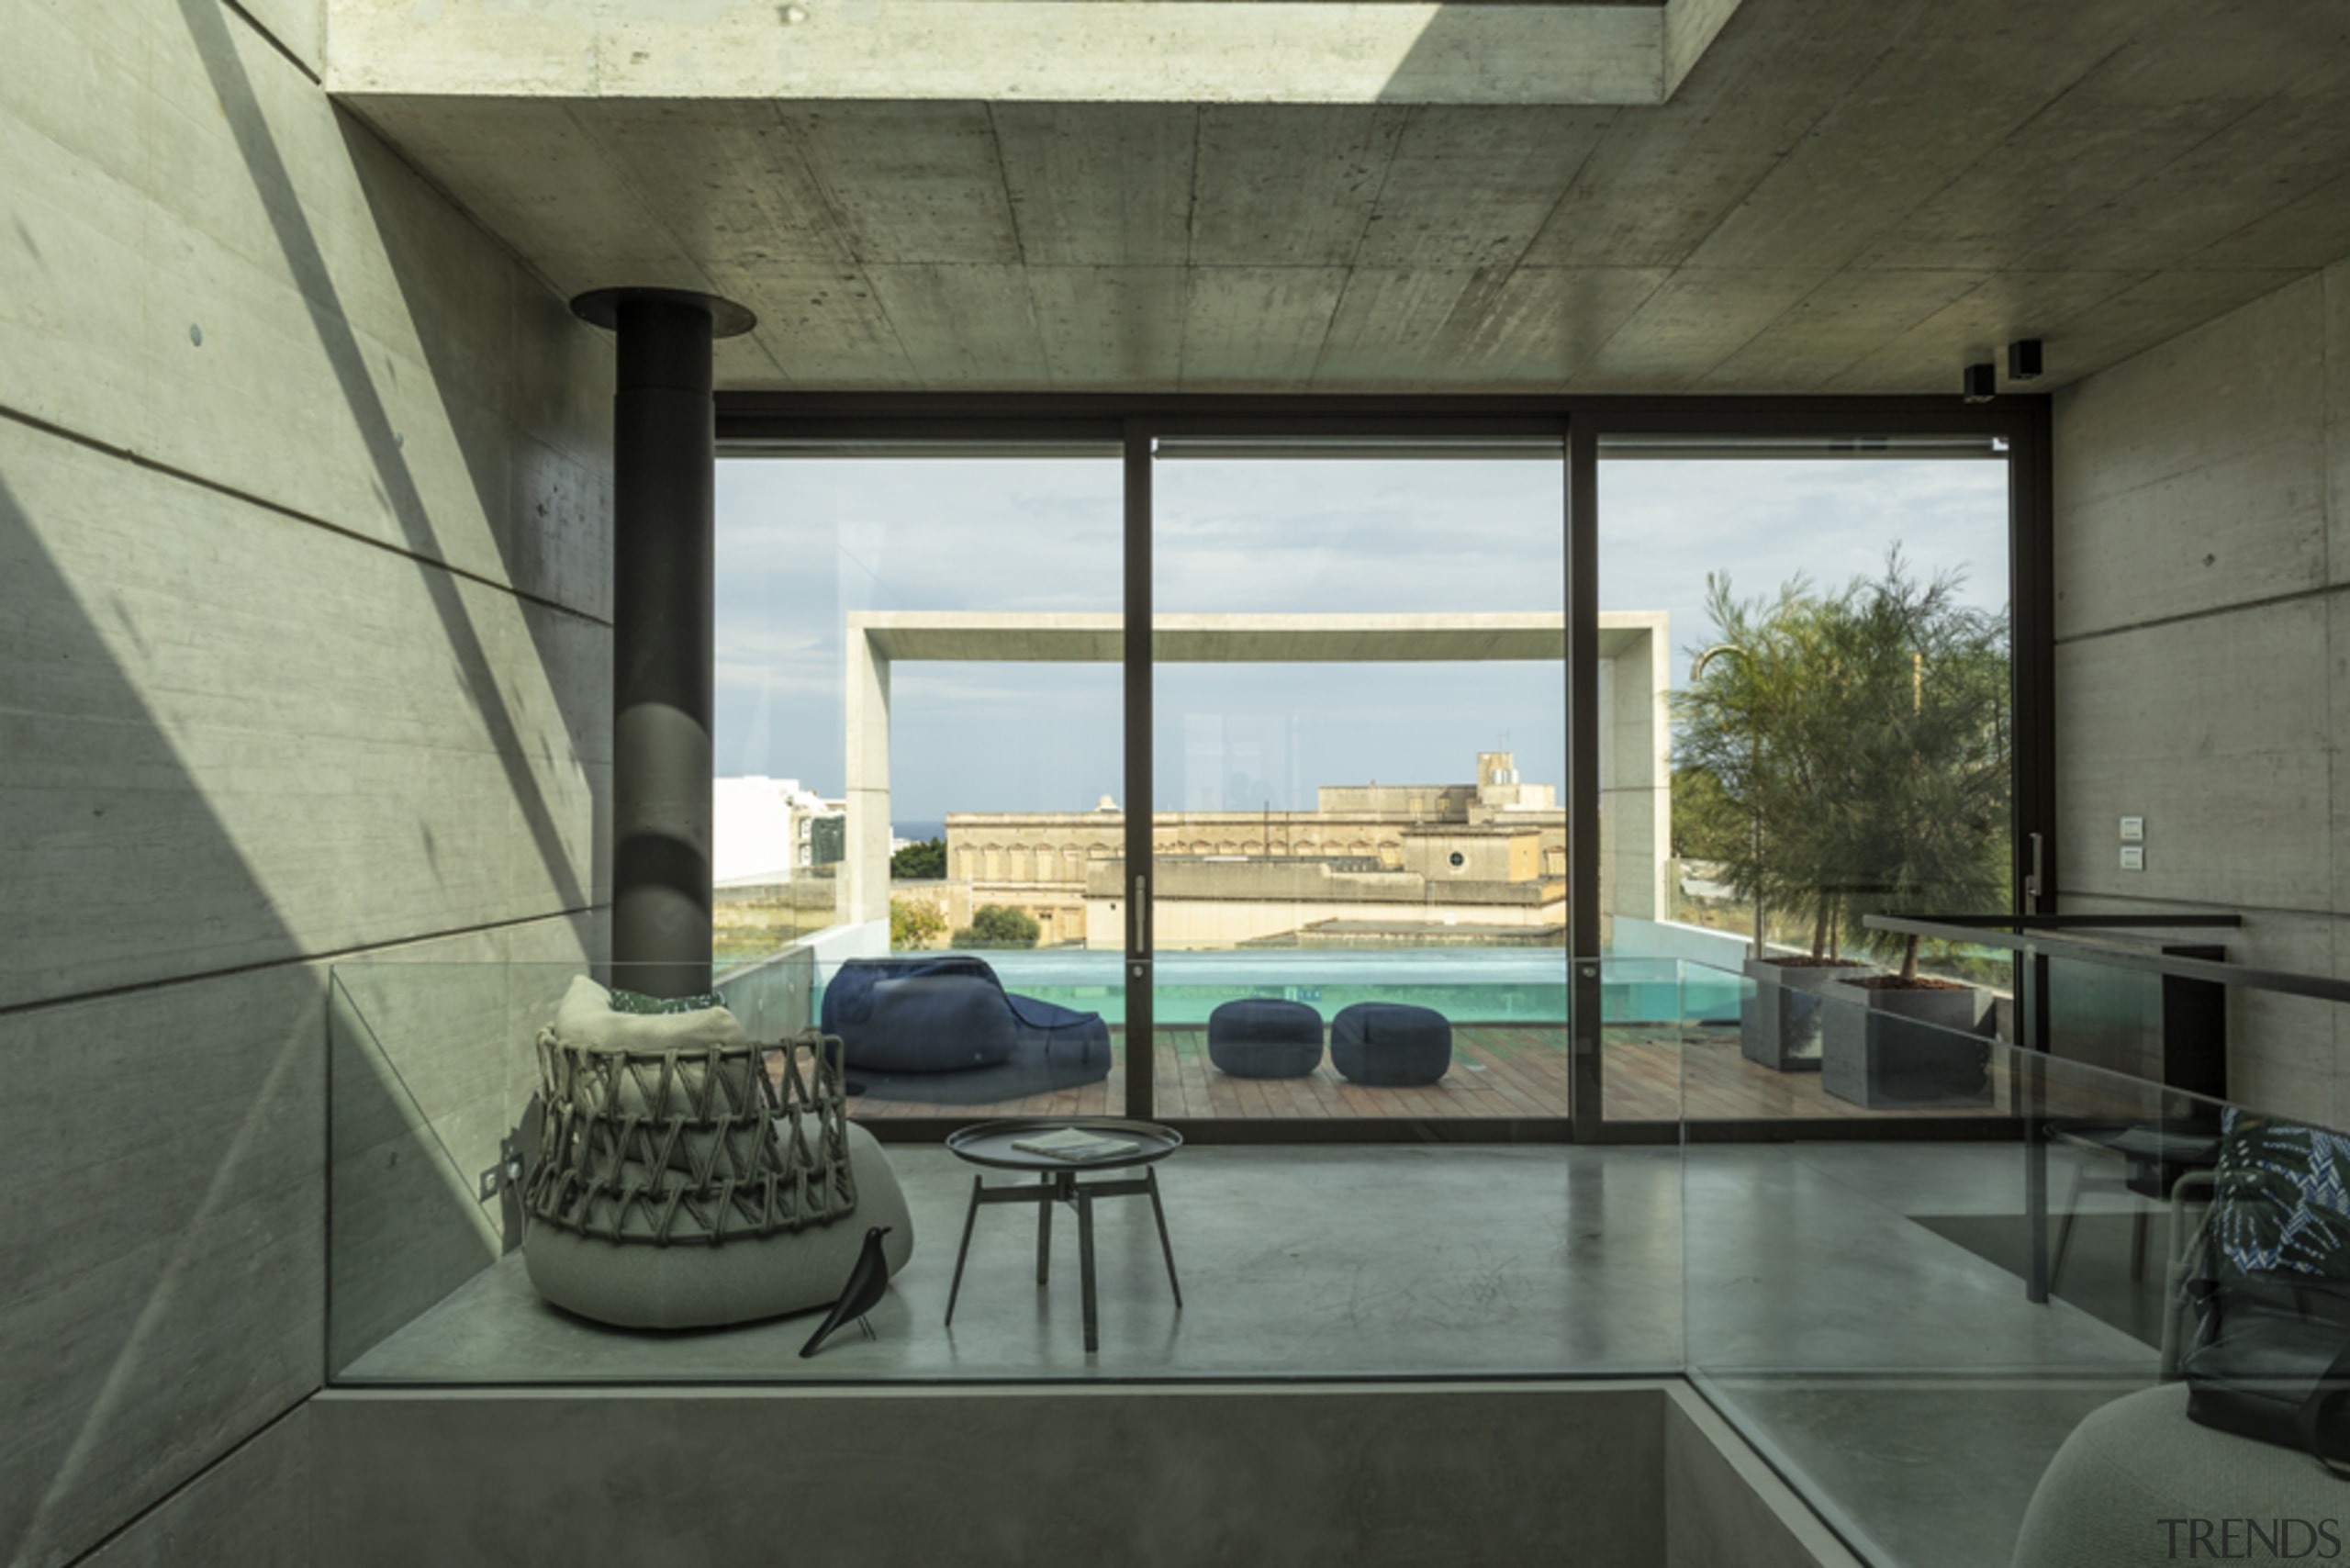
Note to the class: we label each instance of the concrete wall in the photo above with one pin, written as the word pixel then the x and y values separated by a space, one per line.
pixel 429 1061
pixel 303 652
pixel 1625 1473
pixel 2203 657
pixel 1135 1476
pixel 1724 1507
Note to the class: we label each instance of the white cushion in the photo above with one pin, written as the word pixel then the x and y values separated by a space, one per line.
pixel 586 1019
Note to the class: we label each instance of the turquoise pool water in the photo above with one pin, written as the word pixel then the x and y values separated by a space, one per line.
pixel 1517 986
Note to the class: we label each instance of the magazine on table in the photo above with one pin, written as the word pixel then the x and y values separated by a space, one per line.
pixel 1076 1143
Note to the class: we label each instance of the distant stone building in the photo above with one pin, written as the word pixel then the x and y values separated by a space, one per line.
pixel 1486 860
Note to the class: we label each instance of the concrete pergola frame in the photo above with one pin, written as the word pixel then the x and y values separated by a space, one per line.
pixel 1635 778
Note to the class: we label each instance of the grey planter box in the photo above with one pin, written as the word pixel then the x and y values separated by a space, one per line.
pixel 1906 1050
pixel 1778 1024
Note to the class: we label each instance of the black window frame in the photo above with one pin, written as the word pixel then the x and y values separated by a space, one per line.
pixel 1127 425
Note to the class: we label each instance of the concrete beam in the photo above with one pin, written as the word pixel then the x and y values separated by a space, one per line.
pixel 1636 801
pixel 1636 762
pixel 1013 637
pixel 1275 51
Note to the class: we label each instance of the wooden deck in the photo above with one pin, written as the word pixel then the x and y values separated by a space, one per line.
pixel 1498 1070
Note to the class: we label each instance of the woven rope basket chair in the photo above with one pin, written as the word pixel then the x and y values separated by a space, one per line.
pixel 691 1146
pixel 688 1178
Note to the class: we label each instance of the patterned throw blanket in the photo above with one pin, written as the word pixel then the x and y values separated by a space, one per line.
pixel 2280 1198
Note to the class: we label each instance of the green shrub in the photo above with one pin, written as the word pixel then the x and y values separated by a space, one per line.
pixel 1863 739
pixel 914 923
pixel 925 860
pixel 996 925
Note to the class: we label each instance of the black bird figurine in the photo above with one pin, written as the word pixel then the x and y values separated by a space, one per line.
pixel 867 1282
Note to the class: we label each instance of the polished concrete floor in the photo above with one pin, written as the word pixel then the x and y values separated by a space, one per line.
pixel 1901 1381
pixel 1294 1261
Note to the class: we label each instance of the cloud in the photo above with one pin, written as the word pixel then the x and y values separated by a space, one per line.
pixel 1663 525
pixel 802 543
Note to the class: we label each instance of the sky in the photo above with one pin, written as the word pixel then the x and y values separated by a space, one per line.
pixel 802 542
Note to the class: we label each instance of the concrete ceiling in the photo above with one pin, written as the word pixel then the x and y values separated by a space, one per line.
pixel 1858 196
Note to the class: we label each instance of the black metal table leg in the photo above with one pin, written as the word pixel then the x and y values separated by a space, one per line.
pixel 1045 1229
pixel 1085 1265
pixel 1060 1184
pixel 2032 1067
pixel 969 1216
pixel 1159 1213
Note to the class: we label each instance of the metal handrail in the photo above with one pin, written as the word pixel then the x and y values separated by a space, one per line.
pixel 2037 934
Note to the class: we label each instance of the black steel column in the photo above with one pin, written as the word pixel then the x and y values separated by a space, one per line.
pixel 1142 1042
pixel 664 456
pixel 1586 1094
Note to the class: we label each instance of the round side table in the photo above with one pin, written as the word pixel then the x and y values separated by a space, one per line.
pixel 991 1144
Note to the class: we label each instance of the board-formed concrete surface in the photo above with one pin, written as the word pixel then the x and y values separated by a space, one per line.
pixel 1860 195
pixel 303 651
pixel 1632 1473
pixel 2202 549
pixel 1004 1478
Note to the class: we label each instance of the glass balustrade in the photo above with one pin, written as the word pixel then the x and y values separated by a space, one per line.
pixel 1905 1306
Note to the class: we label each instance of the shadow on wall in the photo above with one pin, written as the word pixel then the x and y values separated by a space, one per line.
pixel 167 1298
pixel 549 504
pixel 162 1021
pixel 208 27
pixel 417 1110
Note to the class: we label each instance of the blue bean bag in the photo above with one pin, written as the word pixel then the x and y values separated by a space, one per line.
pixel 1389 1044
pixel 1262 1036
pixel 941 1027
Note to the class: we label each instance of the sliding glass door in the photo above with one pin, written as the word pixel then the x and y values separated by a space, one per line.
pixel 1342 772
pixel 1358 851
pixel 919 744
pixel 1833 645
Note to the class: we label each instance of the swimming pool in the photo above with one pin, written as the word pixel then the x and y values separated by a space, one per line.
pixel 1504 986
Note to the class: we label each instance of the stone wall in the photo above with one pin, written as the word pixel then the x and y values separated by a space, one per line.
pixel 304 655
pixel 2202 544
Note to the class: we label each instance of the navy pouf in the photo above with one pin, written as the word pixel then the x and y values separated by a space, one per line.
pixel 1262 1037
pixel 1388 1045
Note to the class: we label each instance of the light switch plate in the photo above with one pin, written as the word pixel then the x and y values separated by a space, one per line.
pixel 2134 829
pixel 2133 857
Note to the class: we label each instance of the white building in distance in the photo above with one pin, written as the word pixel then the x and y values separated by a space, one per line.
pixel 762 830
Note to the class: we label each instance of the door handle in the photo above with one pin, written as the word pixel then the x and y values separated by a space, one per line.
pixel 1139 917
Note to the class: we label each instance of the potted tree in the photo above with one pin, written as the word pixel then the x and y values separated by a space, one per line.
pixel 1750 727
pixel 1915 816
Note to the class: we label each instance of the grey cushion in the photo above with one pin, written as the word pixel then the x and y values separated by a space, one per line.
pixel 1264 1036
pixel 1391 1044
pixel 2139 1461
pixel 696 1285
